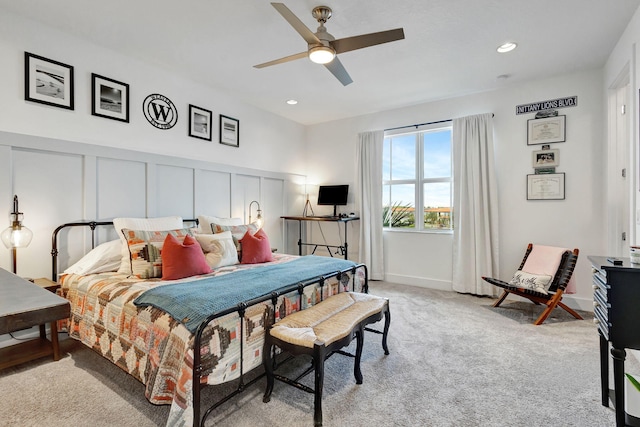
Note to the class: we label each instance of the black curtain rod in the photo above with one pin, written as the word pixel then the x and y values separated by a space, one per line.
pixel 422 124
pixel 418 125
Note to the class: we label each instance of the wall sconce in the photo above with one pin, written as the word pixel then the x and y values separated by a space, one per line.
pixel 16 235
pixel 259 220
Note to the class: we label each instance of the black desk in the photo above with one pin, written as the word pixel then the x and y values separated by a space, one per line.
pixel 343 248
pixel 616 294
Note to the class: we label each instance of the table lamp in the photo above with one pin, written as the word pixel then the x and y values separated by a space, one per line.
pixel 16 235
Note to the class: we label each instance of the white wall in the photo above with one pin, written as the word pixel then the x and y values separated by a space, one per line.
pixel 577 221
pixel 267 142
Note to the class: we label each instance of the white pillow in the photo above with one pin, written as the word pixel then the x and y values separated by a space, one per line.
pixel 104 257
pixel 535 282
pixel 219 249
pixel 143 224
pixel 204 222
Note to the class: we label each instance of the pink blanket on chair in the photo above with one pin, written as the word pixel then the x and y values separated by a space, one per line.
pixel 545 260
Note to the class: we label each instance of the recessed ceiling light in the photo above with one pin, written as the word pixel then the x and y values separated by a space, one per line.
pixel 292 101
pixel 507 47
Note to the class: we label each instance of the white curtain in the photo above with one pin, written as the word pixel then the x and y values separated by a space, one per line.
pixel 475 199
pixel 369 201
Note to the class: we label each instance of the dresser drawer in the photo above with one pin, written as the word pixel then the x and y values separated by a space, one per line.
pixel 601 319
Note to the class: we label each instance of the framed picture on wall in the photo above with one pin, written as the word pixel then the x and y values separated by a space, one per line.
pixel 546 130
pixel 546 158
pixel 548 186
pixel 109 98
pixel 229 131
pixel 199 123
pixel 47 81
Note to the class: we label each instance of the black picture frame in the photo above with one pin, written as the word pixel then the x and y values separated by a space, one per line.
pixel 48 82
pixel 547 186
pixel 200 122
pixel 546 130
pixel 109 98
pixel 229 131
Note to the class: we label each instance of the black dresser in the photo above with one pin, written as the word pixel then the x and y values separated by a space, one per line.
pixel 616 309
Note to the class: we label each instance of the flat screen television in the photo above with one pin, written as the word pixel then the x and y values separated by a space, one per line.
pixel 333 195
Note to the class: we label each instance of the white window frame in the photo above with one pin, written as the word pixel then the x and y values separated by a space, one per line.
pixel 420 181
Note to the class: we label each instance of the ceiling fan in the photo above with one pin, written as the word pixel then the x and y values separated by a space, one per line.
pixel 323 47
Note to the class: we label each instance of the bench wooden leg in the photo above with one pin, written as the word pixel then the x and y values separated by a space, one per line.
pixel 387 322
pixel 356 364
pixel 318 360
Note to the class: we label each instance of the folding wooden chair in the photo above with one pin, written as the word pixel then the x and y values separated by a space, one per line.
pixel 552 296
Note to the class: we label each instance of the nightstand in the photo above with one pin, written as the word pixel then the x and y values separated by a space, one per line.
pixel 24 304
pixel 47 284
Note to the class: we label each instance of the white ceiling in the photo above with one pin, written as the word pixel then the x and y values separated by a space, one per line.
pixel 449 48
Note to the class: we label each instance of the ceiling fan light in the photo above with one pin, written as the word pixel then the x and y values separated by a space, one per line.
pixel 321 54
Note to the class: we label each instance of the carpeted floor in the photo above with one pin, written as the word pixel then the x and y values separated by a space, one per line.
pixel 455 361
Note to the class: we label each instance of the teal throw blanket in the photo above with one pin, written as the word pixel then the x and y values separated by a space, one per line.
pixel 192 302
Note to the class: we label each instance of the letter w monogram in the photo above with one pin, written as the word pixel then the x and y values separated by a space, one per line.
pixel 160 110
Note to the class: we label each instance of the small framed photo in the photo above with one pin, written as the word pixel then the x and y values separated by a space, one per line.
pixel 547 130
pixel 47 81
pixel 199 122
pixel 546 159
pixel 109 98
pixel 229 131
pixel 548 186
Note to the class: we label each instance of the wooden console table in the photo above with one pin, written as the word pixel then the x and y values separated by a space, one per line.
pixel 23 305
pixel 343 248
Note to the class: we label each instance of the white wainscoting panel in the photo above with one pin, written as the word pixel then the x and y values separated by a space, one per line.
pixel 63 181
pixel 174 191
pixel 213 193
pixel 245 189
pixel 121 188
pixel 273 202
pixel 49 186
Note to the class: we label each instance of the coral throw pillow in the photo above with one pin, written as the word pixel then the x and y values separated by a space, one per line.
pixel 256 248
pixel 182 260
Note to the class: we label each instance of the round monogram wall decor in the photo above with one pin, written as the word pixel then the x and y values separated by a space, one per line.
pixel 160 111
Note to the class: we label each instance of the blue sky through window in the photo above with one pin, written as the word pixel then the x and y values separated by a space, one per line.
pixel 399 163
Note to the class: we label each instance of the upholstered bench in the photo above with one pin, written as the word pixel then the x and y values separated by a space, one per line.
pixel 322 330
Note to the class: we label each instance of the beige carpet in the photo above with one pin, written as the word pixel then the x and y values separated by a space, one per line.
pixel 455 361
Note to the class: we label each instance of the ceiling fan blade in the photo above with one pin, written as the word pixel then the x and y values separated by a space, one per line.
pixel 283 60
pixel 338 70
pixel 365 40
pixel 297 24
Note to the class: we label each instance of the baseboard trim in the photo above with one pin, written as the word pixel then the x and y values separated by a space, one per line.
pixel 441 285
pixel 576 303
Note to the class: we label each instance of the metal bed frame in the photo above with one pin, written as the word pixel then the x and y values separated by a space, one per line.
pixel 239 308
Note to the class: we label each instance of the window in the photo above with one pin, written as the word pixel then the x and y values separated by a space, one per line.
pixel 417 171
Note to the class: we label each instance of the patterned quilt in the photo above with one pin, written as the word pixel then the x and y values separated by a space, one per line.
pixel 158 350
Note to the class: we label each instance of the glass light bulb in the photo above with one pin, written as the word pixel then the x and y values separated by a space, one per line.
pixel 16 237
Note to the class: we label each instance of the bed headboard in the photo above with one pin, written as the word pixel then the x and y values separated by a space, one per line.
pixel 93 225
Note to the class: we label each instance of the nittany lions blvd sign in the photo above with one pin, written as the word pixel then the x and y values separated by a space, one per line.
pixel 552 104
pixel 160 111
